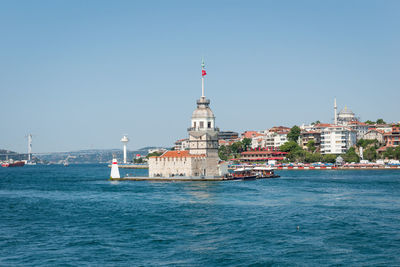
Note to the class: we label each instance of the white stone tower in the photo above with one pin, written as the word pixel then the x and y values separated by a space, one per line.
pixel 124 140
pixel 203 135
pixel 29 147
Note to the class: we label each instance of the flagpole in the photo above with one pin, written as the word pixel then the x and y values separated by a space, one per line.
pixel 202 78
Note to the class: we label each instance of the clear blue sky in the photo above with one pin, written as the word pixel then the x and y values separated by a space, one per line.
pixel 79 74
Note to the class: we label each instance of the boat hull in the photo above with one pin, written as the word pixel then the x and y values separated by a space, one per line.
pixel 14 164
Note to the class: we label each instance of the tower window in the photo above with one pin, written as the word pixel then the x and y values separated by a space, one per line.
pixel 201 124
pixel 194 124
pixel 209 124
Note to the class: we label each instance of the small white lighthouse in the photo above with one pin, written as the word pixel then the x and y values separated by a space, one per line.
pixel 124 141
pixel 114 168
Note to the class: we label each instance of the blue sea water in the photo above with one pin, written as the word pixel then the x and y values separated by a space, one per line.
pixel 56 215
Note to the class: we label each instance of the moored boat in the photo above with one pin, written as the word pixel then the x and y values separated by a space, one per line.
pixel 265 172
pixel 244 174
pixel 13 164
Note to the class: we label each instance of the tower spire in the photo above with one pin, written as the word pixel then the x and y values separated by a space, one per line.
pixel 203 73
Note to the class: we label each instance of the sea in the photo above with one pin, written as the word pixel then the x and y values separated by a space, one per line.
pixel 74 216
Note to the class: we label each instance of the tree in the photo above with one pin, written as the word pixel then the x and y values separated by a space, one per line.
pixel 389 153
pixel 312 157
pixel 370 154
pixel 246 143
pixel 289 146
pixel 380 121
pixel 311 146
pixel 294 133
pixel 366 142
pixel 369 122
pixel 297 155
pixel 236 147
pixel 223 152
pixel 139 160
pixel 397 152
pixel 154 154
pixel 329 158
pixel 351 156
pixel 315 122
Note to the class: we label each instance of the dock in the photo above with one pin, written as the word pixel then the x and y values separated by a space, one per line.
pixel 131 166
pixel 172 179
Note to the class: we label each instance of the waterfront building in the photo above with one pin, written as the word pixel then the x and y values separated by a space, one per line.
pixel 337 139
pixel 222 142
pixel 373 134
pixel 258 141
pixel 182 144
pixel 202 157
pixel 279 129
pixel 307 136
pixel 251 134
pixel 360 128
pixel 279 138
pixel 274 137
pixel 392 139
pixel 386 128
pixel 227 135
pixel 263 155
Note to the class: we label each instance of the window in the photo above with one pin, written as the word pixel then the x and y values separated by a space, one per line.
pixel 209 124
pixel 201 124
pixel 194 124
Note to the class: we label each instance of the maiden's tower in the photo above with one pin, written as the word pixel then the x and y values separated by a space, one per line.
pixel 202 157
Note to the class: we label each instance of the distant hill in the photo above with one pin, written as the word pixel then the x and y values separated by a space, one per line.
pixel 78 156
pixel 8 154
pixel 93 155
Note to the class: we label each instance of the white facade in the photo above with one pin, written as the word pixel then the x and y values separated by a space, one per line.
pixel 182 144
pixel 360 128
pixel 337 139
pixel 177 165
pixel 374 134
pixel 269 139
pixel 275 139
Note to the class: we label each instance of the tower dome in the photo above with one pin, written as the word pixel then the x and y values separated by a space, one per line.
pixel 203 110
pixel 202 116
pixel 346 111
pixel 346 115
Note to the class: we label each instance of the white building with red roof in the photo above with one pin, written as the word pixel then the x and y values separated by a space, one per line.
pixel 374 134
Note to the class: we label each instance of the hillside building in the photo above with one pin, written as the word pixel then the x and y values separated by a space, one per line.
pixel 337 139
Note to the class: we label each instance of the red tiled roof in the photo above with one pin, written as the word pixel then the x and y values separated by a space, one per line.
pixel 310 132
pixel 269 158
pixel 323 125
pixel 250 134
pixel 179 154
pixel 357 122
pixel 376 130
pixel 263 152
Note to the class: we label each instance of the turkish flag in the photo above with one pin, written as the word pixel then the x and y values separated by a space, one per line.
pixel 203 73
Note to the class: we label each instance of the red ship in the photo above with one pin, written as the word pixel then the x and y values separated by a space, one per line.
pixel 13 164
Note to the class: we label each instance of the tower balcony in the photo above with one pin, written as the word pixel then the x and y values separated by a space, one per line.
pixel 215 129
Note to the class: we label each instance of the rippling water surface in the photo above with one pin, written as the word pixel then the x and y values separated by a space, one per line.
pixel 56 215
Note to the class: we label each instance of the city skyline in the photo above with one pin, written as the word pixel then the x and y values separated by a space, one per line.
pixel 79 76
